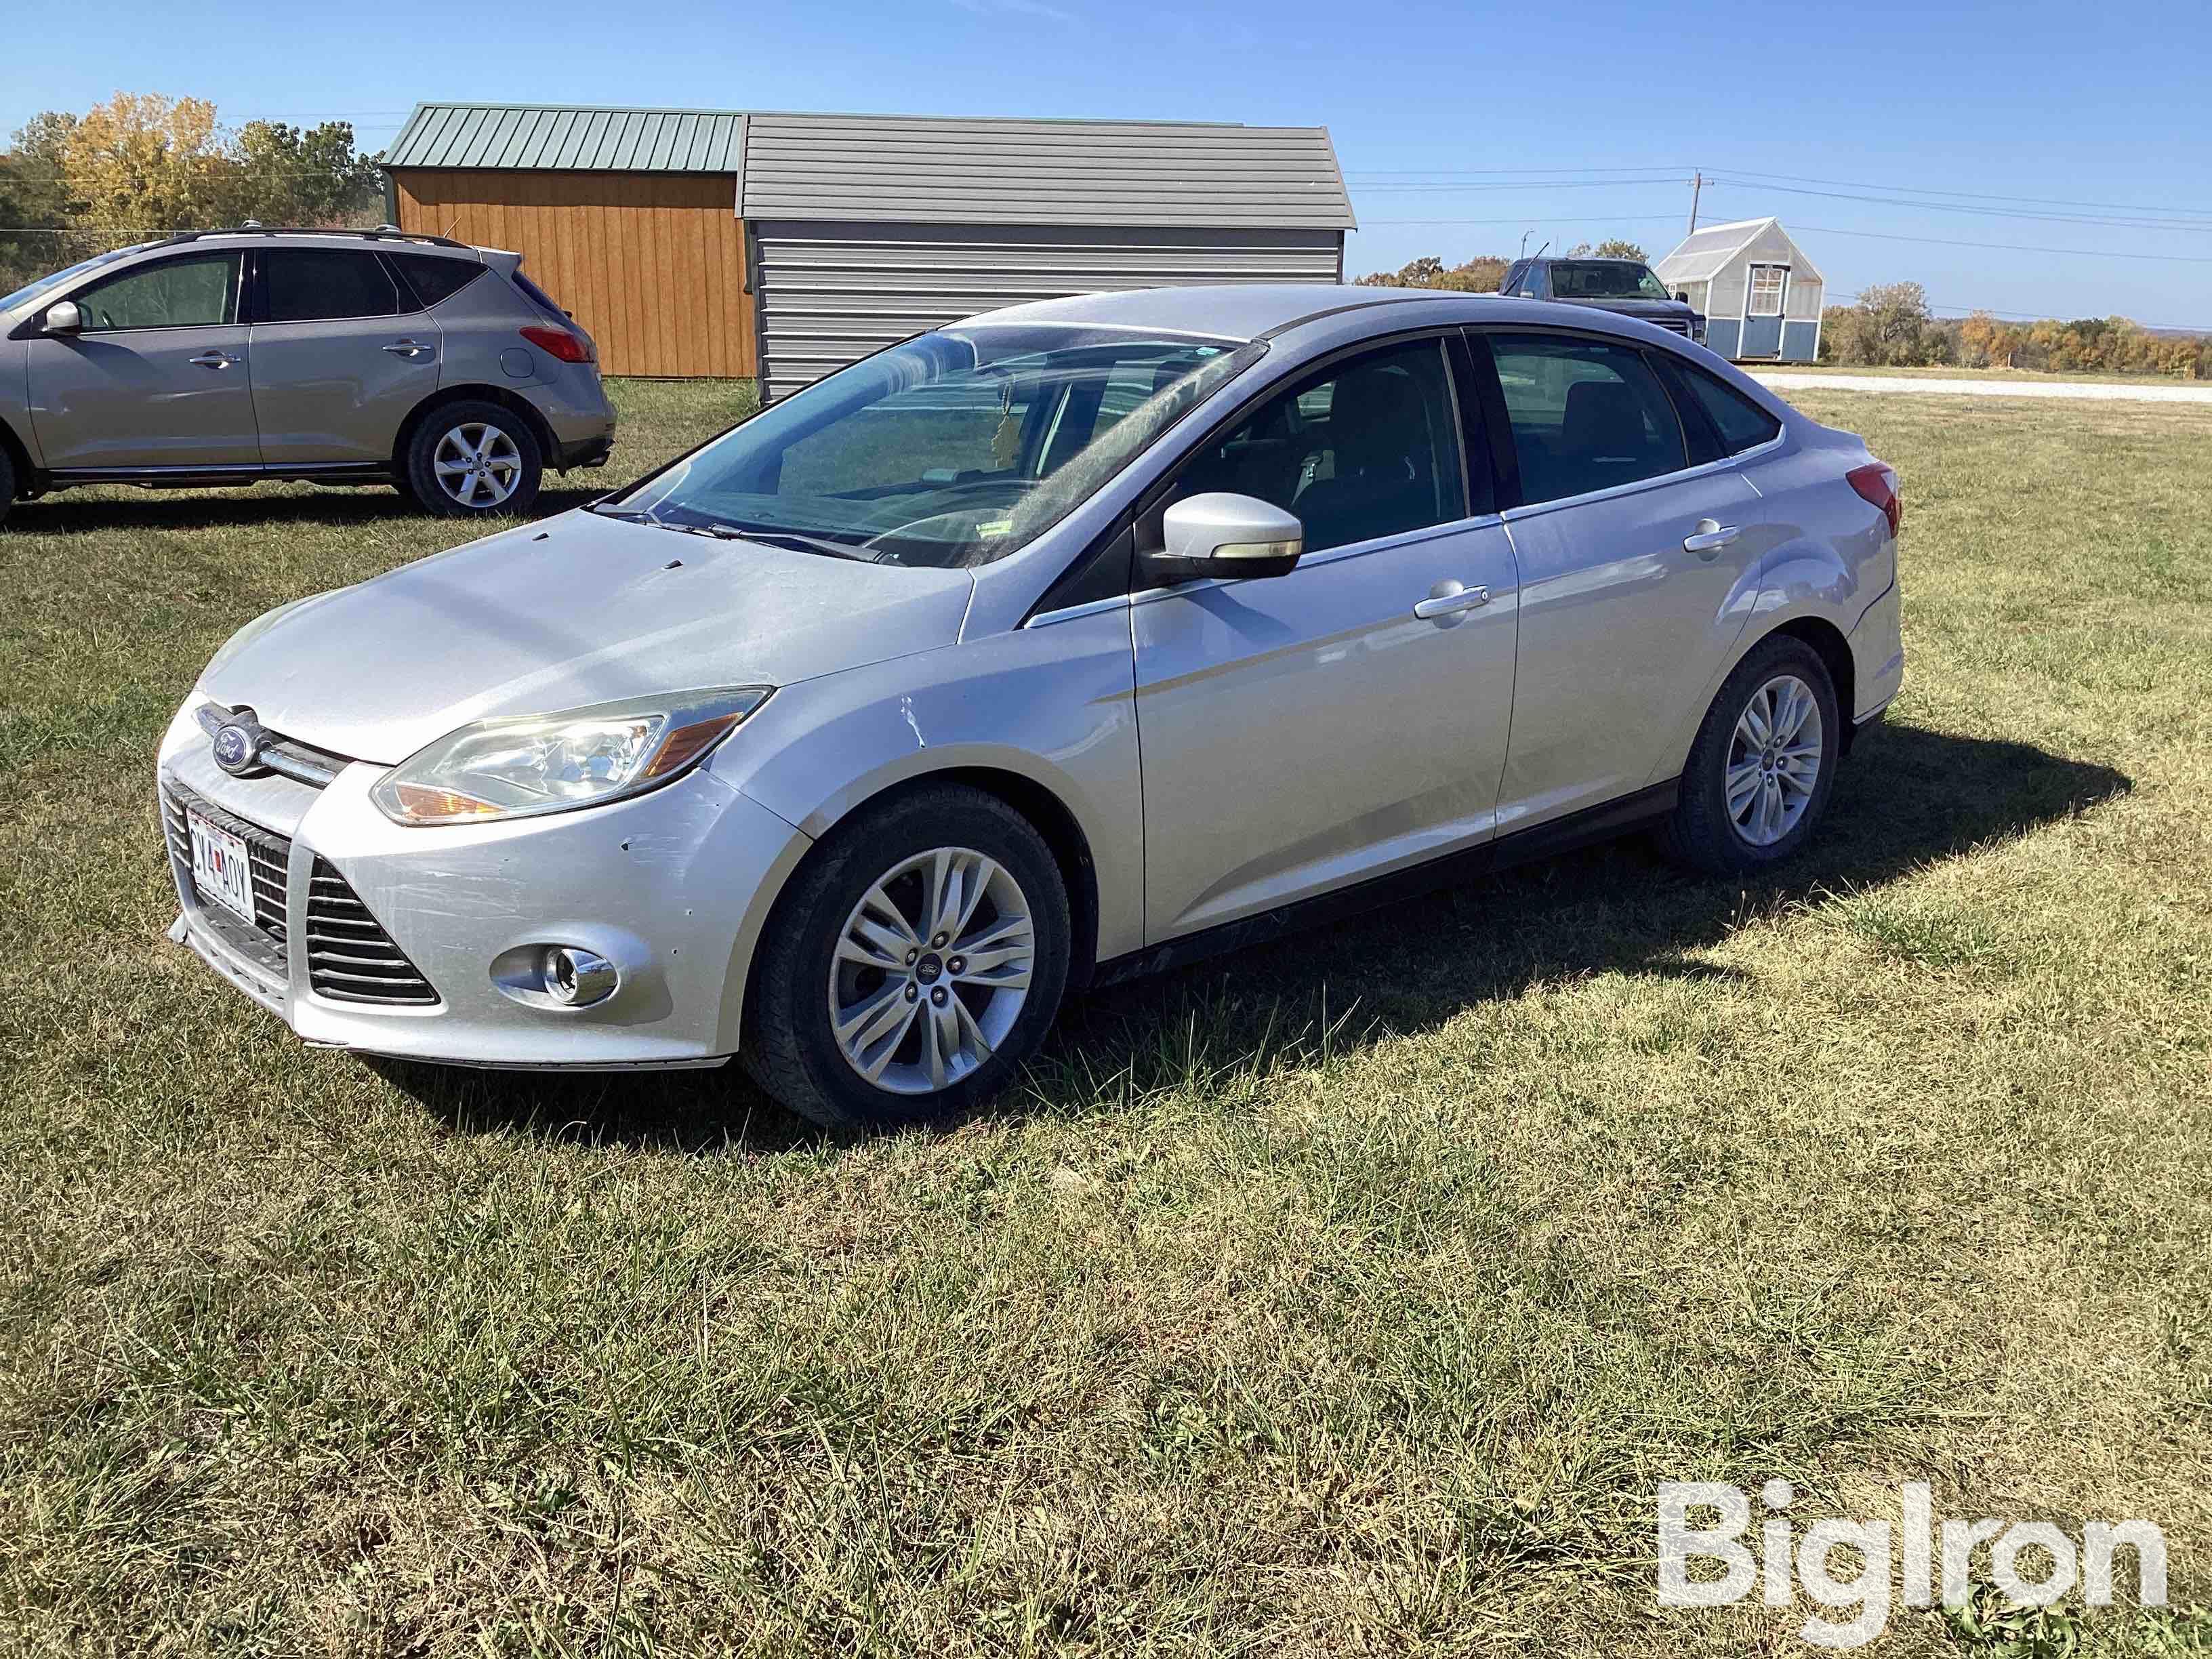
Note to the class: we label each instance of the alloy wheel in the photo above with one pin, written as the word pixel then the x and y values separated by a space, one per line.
pixel 477 465
pixel 931 970
pixel 1774 759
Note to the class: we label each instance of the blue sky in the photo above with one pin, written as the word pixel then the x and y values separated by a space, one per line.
pixel 1442 114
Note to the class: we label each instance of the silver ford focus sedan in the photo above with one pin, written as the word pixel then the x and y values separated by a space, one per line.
pixel 1065 643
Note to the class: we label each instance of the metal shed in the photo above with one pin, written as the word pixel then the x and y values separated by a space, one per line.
pixel 1761 296
pixel 863 229
pixel 624 214
pixel 700 242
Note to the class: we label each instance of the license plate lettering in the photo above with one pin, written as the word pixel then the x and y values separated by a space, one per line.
pixel 222 871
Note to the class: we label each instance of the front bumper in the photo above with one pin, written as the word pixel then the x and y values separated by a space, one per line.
pixel 670 887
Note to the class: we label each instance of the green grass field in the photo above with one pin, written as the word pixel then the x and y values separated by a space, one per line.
pixel 1350 1294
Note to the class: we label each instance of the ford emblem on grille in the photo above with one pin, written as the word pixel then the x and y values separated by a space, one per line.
pixel 236 748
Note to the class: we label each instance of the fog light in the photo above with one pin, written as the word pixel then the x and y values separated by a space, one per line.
pixel 577 978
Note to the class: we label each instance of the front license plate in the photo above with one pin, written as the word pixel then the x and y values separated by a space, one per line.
pixel 221 873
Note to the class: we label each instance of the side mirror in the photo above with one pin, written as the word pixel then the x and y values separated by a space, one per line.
pixel 1225 537
pixel 64 318
pixel 1682 295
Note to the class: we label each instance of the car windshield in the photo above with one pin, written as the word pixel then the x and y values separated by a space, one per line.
pixel 1604 279
pixel 953 449
pixel 31 290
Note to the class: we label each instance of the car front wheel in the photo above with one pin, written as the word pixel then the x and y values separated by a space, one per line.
pixel 916 963
pixel 473 460
pixel 1759 774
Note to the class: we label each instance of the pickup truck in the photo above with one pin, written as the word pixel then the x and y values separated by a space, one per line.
pixel 1624 286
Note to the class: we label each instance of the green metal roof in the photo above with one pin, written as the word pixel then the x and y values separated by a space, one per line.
pixel 569 139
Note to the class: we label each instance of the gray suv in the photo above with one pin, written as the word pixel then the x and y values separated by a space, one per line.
pixel 333 357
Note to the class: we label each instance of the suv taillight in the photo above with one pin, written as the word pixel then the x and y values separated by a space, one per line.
pixel 1878 484
pixel 569 347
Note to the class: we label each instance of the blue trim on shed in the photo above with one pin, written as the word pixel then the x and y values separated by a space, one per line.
pixel 1762 337
pixel 1799 341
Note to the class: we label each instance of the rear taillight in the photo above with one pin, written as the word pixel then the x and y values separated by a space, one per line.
pixel 569 347
pixel 1878 484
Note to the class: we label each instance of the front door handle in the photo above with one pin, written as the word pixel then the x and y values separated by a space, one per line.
pixel 1710 536
pixel 406 348
pixel 1449 598
pixel 212 360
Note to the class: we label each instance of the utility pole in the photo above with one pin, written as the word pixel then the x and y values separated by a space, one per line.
pixel 1524 244
pixel 1696 188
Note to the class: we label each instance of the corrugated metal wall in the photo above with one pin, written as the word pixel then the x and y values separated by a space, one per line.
pixel 653 265
pixel 831 291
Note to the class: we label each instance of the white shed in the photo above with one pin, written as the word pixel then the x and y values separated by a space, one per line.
pixel 1760 294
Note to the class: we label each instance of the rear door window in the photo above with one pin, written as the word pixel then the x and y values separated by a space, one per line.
pixel 197 291
pixel 1587 415
pixel 314 285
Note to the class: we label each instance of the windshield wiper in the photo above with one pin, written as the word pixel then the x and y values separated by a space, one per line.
pixel 804 543
pixel 629 514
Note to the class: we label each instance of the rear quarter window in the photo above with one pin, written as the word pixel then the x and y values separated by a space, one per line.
pixel 1742 423
pixel 434 278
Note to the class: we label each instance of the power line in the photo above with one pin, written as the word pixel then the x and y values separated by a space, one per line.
pixel 2016 247
pixel 1971 195
pixel 1738 182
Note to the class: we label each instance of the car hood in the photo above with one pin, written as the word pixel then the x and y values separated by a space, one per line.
pixel 575 610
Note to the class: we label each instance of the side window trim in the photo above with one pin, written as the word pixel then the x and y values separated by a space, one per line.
pixel 1497 427
pixel 234 299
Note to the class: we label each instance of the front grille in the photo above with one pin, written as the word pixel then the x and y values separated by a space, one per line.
pixel 1676 327
pixel 350 958
pixel 268 853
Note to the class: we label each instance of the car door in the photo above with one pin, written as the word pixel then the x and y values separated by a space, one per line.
pixel 1300 732
pixel 1634 565
pixel 157 376
pixel 343 356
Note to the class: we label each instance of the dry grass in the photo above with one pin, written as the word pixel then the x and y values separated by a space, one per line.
pixel 1350 1295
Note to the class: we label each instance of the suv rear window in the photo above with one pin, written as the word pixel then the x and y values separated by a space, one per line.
pixel 434 278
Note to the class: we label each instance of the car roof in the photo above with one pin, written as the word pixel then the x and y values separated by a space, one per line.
pixel 402 240
pixel 1246 311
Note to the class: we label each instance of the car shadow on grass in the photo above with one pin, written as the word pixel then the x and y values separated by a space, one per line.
pixel 265 506
pixel 1907 797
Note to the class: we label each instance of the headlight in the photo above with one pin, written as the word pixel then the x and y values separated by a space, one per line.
pixel 537 763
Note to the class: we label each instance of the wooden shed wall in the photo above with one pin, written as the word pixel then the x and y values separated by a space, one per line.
pixel 653 265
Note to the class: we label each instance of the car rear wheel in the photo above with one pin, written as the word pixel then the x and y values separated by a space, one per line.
pixel 915 964
pixel 1758 777
pixel 474 459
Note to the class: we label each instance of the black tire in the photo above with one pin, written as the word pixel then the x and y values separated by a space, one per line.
pixel 419 465
pixel 789 1045
pixel 7 483
pixel 1701 832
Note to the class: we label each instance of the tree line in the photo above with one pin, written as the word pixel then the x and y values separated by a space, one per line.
pixel 1892 326
pixel 144 165
pixel 1483 273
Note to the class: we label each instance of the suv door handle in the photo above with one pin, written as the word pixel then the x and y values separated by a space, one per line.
pixel 1449 598
pixel 212 360
pixel 1709 537
pixel 406 348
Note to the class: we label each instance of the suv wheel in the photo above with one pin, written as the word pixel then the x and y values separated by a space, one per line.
pixel 473 459
pixel 915 964
pixel 1759 774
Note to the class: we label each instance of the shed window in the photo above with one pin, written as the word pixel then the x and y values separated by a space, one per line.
pixel 1767 283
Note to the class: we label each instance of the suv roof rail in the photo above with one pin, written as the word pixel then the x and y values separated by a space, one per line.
pixel 380 234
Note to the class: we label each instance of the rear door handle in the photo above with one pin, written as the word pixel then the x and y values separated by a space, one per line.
pixel 212 360
pixel 1449 598
pixel 406 348
pixel 1710 536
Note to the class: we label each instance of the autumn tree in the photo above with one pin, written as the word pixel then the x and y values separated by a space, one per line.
pixel 1613 248
pixel 1480 275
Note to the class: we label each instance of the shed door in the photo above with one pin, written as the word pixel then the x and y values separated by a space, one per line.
pixel 831 291
pixel 1766 295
